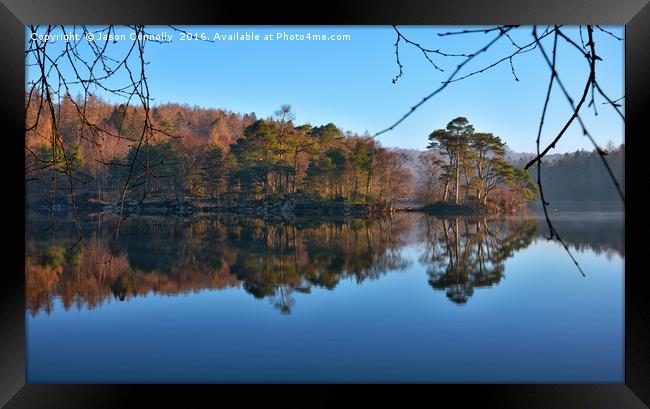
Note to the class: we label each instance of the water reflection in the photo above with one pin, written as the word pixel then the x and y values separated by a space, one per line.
pixel 463 254
pixel 273 260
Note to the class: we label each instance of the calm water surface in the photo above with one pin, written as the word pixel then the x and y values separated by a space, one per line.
pixel 412 299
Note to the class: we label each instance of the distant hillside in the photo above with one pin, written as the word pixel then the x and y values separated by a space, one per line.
pixel 581 176
pixel 412 163
pixel 521 158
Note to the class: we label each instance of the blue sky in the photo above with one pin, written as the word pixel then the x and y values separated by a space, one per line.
pixel 349 82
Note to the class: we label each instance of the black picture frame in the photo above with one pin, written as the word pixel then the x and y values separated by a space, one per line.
pixel 635 14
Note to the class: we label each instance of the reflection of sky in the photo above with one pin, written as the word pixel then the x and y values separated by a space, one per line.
pixel 543 323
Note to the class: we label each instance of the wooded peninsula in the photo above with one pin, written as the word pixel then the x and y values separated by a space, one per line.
pixel 212 159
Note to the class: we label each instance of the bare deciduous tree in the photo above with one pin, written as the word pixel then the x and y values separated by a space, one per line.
pixel 586 49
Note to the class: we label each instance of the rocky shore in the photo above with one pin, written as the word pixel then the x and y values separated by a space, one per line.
pixel 276 207
pixel 462 209
pixel 273 207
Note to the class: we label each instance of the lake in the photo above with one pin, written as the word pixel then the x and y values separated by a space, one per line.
pixel 410 298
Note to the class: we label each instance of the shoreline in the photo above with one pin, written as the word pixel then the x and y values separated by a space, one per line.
pixel 282 207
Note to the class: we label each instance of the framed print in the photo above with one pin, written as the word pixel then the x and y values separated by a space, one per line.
pixel 450 195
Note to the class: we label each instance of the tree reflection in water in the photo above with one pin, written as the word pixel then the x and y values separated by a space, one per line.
pixel 467 253
pixel 171 256
pixel 271 260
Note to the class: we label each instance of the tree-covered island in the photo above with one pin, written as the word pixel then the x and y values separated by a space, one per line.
pixel 215 160
pixel 465 171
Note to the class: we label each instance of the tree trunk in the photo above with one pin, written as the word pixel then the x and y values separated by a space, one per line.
pixel 295 169
pixel 457 178
pixel 368 183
